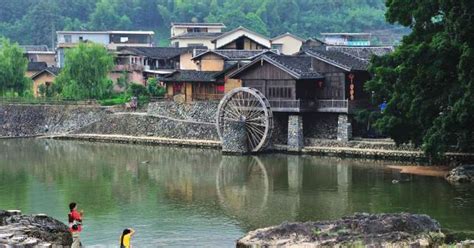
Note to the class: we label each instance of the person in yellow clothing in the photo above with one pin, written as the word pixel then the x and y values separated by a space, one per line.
pixel 126 238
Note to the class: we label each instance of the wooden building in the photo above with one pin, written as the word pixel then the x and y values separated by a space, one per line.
pixel 191 85
pixel 288 82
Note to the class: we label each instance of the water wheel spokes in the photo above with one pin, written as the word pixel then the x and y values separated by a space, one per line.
pixel 250 106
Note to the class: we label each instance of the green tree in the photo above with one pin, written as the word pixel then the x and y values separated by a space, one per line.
pixel 85 74
pixel 13 66
pixel 428 81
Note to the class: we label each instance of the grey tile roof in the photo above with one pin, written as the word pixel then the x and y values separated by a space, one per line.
pixel 340 59
pixel 233 54
pixel 197 35
pixel 364 53
pixel 37 66
pixel 159 52
pixel 53 70
pixel 190 76
pixel 300 65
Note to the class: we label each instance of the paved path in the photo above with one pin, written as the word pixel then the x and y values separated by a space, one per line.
pixel 116 138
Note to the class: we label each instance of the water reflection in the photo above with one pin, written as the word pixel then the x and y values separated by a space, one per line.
pixel 177 197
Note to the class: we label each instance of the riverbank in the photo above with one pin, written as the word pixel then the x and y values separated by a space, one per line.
pixel 359 230
pixel 169 123
pixel 17 230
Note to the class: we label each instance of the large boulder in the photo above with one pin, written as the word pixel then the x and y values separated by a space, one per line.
pixel 32 231
pixel 461 174
pixel 374 230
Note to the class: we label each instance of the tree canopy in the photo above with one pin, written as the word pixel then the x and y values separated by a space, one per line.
pixel 13 66
pixel 85 73
pixel 428 81
pixel 34 22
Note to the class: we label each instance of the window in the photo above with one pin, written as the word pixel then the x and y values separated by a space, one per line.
pixel 278 47
pixel 123 39
pixel 81 38
pixel 195 45
pixel 67 38
pixel 280 92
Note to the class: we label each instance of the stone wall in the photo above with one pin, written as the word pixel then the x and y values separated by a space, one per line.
pixel 143 125
pixel 320 125
pixel 30 120
pixel 202 111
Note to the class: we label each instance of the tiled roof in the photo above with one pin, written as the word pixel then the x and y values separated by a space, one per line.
pixel 232 54
pixel 340 59
pixel 37 66
pixel 52 70
pixel 298 64
pixel 159 52
pixel 364 53
pixel 190 76
pixel 197 35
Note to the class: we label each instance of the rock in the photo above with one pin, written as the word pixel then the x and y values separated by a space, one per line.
pixel 32 230
pixel 461 174
pixel 374 230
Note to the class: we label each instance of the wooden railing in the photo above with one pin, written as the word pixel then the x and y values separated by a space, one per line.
pixel 339 106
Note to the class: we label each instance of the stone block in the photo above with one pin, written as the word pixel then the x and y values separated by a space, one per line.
pixel 234 138
pixel 295 133
pixel 344 128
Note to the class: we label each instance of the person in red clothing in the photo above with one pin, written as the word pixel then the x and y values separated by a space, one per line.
pixel 75 224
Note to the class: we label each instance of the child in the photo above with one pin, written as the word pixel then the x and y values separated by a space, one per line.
pixel 126 238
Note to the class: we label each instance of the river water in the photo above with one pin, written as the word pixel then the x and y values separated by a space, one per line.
pixel 177 197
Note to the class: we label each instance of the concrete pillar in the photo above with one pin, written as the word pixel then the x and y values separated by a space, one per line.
pixel 295 133
pixel 234 138
pixel 344 128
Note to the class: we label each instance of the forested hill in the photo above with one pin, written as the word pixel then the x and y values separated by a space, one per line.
pixel 35 21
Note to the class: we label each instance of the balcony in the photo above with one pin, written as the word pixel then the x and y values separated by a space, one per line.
pixel 325 106
pixel 128 67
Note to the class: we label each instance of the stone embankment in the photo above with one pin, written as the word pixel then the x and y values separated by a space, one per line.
pixel 17 230
pixel 360 230
pixel 33 120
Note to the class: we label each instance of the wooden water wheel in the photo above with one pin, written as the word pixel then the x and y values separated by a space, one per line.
pixel 250 106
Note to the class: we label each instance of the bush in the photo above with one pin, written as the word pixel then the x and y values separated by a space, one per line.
pixel 119 100
pixel 154 88
pixel 137 90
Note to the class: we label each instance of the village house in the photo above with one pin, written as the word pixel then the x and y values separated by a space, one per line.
pixel 210 81
pixel 195 34
pixel 287 44
pixel 44 77
pixel 110 39
pixel 320 87
pixel 141 63
pixel 35 67
pixel 347 39
pixel 241 38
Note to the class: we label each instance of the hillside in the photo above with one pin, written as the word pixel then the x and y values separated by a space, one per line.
pixel 306 18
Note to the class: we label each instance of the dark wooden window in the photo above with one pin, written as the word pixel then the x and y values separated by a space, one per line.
pixel 280 92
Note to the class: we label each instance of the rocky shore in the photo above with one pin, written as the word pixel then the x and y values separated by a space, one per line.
pixel 359 230
pixel 461 174
pixel 17 230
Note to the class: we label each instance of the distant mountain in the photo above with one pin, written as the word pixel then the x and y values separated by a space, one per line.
pixel 34 22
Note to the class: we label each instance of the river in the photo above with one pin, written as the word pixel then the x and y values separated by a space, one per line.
pixel 176 197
